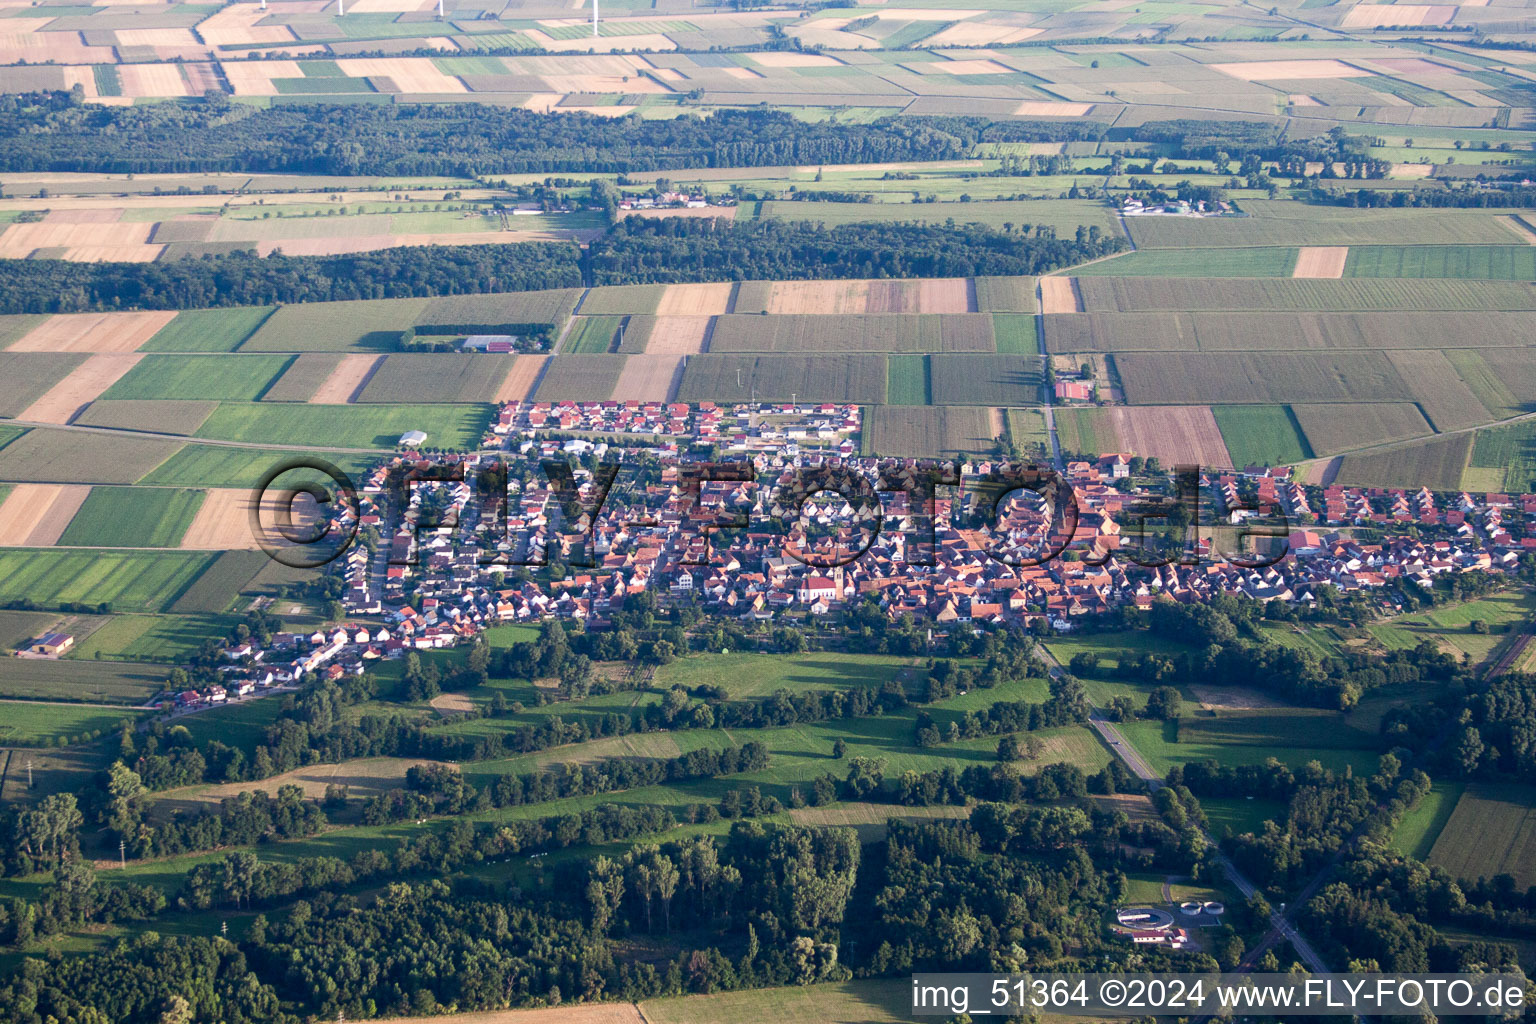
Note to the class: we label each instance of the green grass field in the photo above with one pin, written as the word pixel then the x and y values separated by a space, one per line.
pixel 132 517
pixel 208 330
pixel 1487 262
pixel 151 638
pixel 92 682
pixel 1261 435
pixel 128 580
pixel 1015 333
pixel 1421 827
pixel 1504 457
pixel 756 675
pixel 1260 736
pixel 206 465
pixel 906 380
pixel 592 334
pixel 231 378
pixel 348 426
pixel 1450 625
pixel 33 723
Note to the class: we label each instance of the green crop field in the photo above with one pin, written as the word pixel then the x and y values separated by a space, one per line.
pixel 1330 429
pixel 1421 827
pixel 92 682
pixel 929 431
pixel 58 456
pixel 907 380
pixel 581 378
pixel 206 465
pixel 854 377
pixel 372 325
pixel 232 378
pixel 624 298
pixel 303 377
pixel 592 335
pixel 155 417
pixel 128 580
pixel 1002 380
pixel 1286 223
pixel 1062 216
pixel 1015 333
pixel 132 517
pixel 1259 378
pixel 1489 833
pixel 1486 386
pixel 26 376
pixel 16 628
pixel 1085 431
pixel 499 313
pixel 1281 331
pixel 208 330
pixel 852 332
pixel 1261 435
pixel 13 326
pixel 1504 459
pixel 1188 295
pixel 437 377
pixel 1437 464
pixel 1489 262
pixel 1006 295
pixel 215 588
pixel 1226 263
pixel 348 426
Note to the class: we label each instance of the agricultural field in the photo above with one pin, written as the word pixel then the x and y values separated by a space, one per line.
pixel 1015 333
pixel 1189 295
pixel 208 330
pixel 35 724
pixel 127 580
pixel 308 372
pixel 233 378
pixel 1259 378
pixel 1330 429
pixel 179 417
pixel 1437 464
pixel 16 628
pixel 44 455
pixel 580 378
pixel 624 298
pixel 349 426
pixel 1421 827
pixel 907 380
pixel 936 295
pixel 1064 216
pixel 206 465
pixel 1005 294
pixel 25 377
pixel 1160 331
pixel 1294 736
pixel 1503 459
pixel 1282 223
pixel 215 588
pixel 855 377
pixel 999 380
pixel 168 639
pixel 1256 261
pixel 132 517
pixel 787 333
pixel 1486 262
pixel 1490 832
pixel 1262 435
pixel 87 682
pixel 747 675
pixel 436 377
pixel 372 325
pixel 1450 626
pixel 941 432
pixel 592 334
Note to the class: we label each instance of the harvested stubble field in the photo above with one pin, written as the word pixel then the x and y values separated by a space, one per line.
pixel 580 378
pixel 34 515
pixel 25 377
pixel 1005 294
pixel 856 377
pixel 1190 295
pixel 999 380
pixel 208 330
pixel 437 377
pixel 696 299
pixel 956 332
pixel 1176 435
pixel 222 522
pixel 667 335
pixel 1259 378
pixel 649 378
pixel 233 378
pixel 1260 435
pixel 1283 222
pixel 1321 261
pixel 1060 295
pixel 16 325
pixel 346 382
pixel 1491 832
pixel 1331 429
pixel 50 456
pixel 304 376
pixel 132 517
pixel 929 431
pixel 1285 331
pixel 92 332
pixel 937 295
pixel 354 326
pixel 154 417
pixel 129 580
pixel 1437 464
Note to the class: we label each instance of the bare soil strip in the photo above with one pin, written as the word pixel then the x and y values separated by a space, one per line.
pixel 649 378
pixel 1060 295
pixel 93 332
pixel 1321 261
pixel 35 515
pixel 63 402
pixel 519 382
pixel 347 381
pixel 1515 222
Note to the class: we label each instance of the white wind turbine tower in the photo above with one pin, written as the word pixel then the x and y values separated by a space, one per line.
pixel 594 19
pixel 440 9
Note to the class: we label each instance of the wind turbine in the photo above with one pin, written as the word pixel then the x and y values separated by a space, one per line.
pixel 594 19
